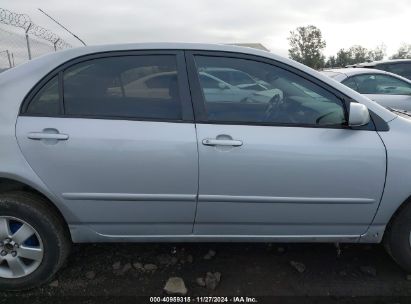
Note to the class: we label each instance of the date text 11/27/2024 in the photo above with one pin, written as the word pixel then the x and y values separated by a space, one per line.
pixel 175 299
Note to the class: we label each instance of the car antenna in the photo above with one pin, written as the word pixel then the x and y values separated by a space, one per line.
pixel 74 35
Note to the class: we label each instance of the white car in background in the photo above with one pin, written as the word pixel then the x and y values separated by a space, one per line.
pixel 238 78
pixel 162 84
pixel 252 92
pixel 388 89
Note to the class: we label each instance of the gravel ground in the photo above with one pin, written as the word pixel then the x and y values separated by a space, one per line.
pixel 229 270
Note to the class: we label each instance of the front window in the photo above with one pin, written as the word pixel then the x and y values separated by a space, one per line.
pixel 350 82
pixel 275 96
pixel 381 84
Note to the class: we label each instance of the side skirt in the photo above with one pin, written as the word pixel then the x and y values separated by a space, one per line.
pixel 84 234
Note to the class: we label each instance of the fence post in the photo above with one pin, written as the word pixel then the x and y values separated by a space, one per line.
pixel 55 44
pixel 8 57
pixel 28 41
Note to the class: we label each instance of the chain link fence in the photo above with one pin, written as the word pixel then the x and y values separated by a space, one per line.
pixel 22 40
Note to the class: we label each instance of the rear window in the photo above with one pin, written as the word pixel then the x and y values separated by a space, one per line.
pixel 403 68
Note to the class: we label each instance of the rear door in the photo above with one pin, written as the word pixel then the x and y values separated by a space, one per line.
pixel 284 164
pixel 113 136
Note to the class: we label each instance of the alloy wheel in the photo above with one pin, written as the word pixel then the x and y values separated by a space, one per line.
pixel 21 248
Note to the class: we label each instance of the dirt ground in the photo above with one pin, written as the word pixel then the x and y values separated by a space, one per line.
pixel 120 270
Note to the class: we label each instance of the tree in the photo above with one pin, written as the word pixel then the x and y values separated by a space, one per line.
pixel 343 58
pixel 378 53
pixel 404 52
pixel 306 46
pixel 359 54
pixel 331 62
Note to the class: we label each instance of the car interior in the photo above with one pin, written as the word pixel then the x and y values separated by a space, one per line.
pixel 300 103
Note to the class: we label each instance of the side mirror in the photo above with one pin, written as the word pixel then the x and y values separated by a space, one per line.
pixel 359 115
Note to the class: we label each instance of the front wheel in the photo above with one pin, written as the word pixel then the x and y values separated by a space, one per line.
pixel 33 241
pixel 397 238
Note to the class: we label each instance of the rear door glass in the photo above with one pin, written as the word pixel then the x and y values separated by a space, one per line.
pixel 144 86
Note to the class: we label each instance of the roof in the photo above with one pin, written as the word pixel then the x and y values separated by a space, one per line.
pixel 348 72
pixel 19 80
pixel 85 50
pixel 257 46
pixel 374 63
pixel 354 71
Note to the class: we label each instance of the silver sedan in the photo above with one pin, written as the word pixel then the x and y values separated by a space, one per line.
pixel 388 89
pixel 131 143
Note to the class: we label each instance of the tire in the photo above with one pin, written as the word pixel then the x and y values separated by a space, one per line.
pixel 397 239
pixel 50 241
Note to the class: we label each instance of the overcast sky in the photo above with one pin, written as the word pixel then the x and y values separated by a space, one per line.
pixel 343 23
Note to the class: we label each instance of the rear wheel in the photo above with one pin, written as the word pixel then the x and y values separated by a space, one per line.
pixel 397 238
pixel 33 241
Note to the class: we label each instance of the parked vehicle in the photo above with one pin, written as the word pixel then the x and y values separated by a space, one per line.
pixel 237 78
pixel 401 67
pixel 218 90
pixel 389 90
pixel 84 160
pixel 156 85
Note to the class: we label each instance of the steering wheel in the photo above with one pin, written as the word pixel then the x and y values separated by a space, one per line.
pixel 272 106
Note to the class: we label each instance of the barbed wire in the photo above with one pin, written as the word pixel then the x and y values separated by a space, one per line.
pixel 23 21
pixel 15 44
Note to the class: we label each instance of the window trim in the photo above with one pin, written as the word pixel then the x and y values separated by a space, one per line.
pixel 353 79
pixel 376 74
pixel 199 101
pixel 184 91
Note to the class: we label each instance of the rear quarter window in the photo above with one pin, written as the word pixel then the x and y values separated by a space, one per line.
pixel 47 100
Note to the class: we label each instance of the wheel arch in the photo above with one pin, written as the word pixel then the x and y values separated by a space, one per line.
pixel 395 214
pixel 8 184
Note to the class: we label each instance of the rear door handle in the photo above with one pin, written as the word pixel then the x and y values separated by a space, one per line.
pixel 222 142
pixel 44 135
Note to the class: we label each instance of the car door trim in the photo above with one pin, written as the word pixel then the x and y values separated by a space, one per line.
pixel 285 200
pixel 128 196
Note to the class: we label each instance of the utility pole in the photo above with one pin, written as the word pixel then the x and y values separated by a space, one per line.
pixel 71 33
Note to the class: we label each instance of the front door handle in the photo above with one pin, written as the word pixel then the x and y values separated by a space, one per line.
pixel 222 142
pixel 45 135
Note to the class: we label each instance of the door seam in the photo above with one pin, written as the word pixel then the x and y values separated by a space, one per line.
pixel 198 180
pixel 197 144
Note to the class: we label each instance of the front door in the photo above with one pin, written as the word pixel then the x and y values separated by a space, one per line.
pixel 282 162
pixel 118 146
